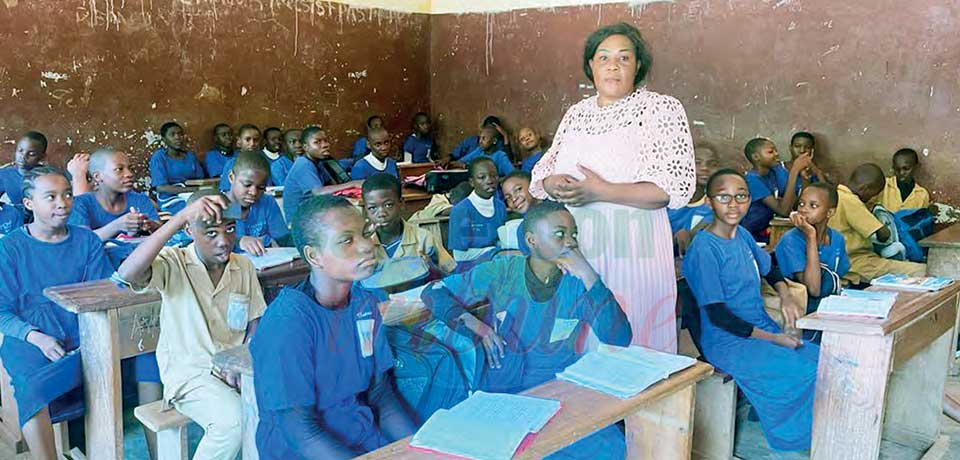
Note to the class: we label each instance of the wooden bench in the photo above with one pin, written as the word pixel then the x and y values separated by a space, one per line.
pixel 170 427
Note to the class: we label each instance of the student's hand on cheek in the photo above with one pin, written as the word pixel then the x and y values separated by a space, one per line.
pixel 252 245
pixel 801 223
pixel 802 162
pixel 50 346
pixel 576 264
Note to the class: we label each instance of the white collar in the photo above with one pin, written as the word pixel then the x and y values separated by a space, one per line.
pixel 272 156
pixel 377 164
pixel 484 206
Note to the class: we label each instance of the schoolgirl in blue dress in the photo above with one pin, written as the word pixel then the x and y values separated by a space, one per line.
pixel 320 357
pixel 40 339
pixel 171 166
pixel 261 223
pixel 777 372
pixel 475 220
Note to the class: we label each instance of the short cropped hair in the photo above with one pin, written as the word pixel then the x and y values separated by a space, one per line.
pixel 37 137
pixel 908 152
pixel 472 166
pixel 309 219
pixel 721 173
pixel 308 132
pixel 640 49
pixel 164 128
pixel 251 160
pixel 517 174
pixel 753 146
pixel 832 196
pixel 804 134
pixel 247 127
pixel 382 181
pixel 538 212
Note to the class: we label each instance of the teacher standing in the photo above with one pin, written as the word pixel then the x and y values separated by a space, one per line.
pixel 619 159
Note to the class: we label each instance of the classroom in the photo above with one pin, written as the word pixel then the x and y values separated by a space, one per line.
pixel 425 229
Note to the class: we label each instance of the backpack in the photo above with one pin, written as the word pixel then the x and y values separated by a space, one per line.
pixel 429 375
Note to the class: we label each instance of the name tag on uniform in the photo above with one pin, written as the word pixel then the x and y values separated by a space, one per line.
pixel 365 334
pixel 562 328
pixel 237 311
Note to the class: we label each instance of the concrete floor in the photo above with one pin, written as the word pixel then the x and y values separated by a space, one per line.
pixel 750 444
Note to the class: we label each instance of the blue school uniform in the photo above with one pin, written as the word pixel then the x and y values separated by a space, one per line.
pixel 215 161
pixel 500 158
pixel 263 221
pixel 304 176
pixel 363 169
pixel 87 212
pixel 11 218
pixel 791 253
pixel 469 229
pixel 305 354
pixel 758 216
pixel 11 184
pixel 469 145
pixel 165 170
pixel 687 217
pixel 359 148
pixel 778 381
pixel 531 161
pixel 23 308
pixel 421 148
pixel 783 175
pixel 279 168
pixel 541 335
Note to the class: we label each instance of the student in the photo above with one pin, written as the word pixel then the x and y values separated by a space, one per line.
pixel 30 153
pixel 812 253
pixel 474 221
pixel 419 146
pixel 222 150
pixel 248 139
pixel 901 190
pixel 11 218
pixel 321 358
pixel 306 173
pixel 532 145
pixel 40 339
pixel 471 143
pixel 776 371
pixel 393 237
pixel 115 208
pixel 539 306
pixel 361 146
pixel 211 301
pixel 487 148
pixel 379 159
pixel 279 163
pixel 442 203
pixel 261 223
pixel 171 166
pixel 765 191
pixel 516 194
pixel 688 220
pixel 292 146
pixel 801 143
pixel 859 228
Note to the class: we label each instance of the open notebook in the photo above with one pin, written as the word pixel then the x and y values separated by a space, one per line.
pixel 623 372
pixel 486 426
pixel 274 257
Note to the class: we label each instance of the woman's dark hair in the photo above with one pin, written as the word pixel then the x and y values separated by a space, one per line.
pixel 640 49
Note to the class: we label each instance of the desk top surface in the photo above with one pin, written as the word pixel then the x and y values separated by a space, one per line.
pixel 908 307
pixel 104 295
pixel 946 238
pixel 584 411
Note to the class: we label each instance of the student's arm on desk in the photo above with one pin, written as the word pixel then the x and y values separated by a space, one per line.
pixel 136 269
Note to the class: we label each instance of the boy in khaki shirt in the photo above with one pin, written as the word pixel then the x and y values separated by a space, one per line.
pixel 211 301
pixel 857 224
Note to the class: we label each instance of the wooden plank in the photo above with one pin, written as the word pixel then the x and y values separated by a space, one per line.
pixel 915 394
pixel 213 181
pixel 938 450
pixel 172 444
pixel 915 337
pixel 908 308
pixel 284 274
pixel 778 226
pixel 663 429
pixel 99 346
pixel 139 329
pixel 715 418
pixel 584 412
pixel 97 296
pixel 154 418
pixel 850 392
pixel 946 238
pixel 251 418
pixel 9 420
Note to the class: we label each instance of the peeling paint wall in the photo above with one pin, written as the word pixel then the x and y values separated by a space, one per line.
pixel 867 77
pixel 95 72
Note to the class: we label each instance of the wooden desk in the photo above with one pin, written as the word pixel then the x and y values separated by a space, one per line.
pixel 659 421
pixel 414 169
pixel 117 323
pixel 882 378
pixel 437 226
pixel 778 226
pixel 203 183
pixel 943 258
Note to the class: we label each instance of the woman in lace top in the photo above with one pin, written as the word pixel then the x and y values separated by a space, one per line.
pixel 619 159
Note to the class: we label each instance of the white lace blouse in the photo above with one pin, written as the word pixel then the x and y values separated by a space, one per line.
pixel 643 137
